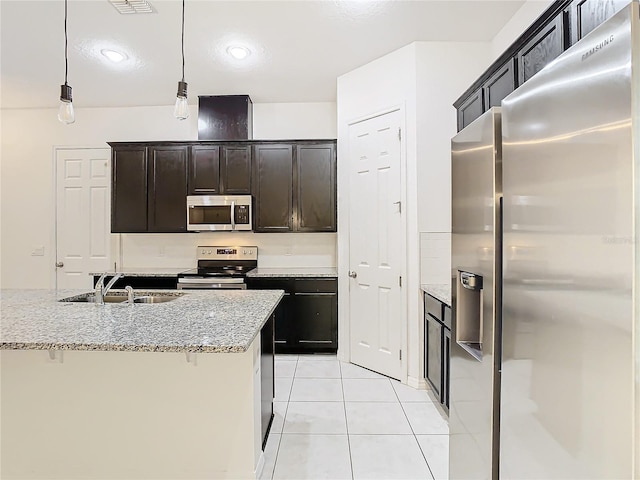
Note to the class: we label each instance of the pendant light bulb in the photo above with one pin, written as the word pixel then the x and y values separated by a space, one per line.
pixel 66 113
pixel 181 110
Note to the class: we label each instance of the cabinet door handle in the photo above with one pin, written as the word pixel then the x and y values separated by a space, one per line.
pixel 353 274
pixel 59 264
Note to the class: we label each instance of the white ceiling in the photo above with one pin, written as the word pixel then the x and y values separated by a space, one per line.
pixel 299 47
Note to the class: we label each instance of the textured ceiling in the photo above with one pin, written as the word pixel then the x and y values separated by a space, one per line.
pixel 298 47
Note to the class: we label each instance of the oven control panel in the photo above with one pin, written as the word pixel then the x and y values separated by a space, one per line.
pixel 227 253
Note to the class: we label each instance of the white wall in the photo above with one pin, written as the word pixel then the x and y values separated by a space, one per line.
pixel 294 120
pixel 424 78
pixel 520 21
pixel 444 72
pixel 27 173
pixel 434 166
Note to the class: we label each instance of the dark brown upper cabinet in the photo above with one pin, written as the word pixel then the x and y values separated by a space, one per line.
pixel 167 199
pixel 501 84
pixel 293 183
pixel 585 15
pixel 316 188
pixel 544 47
pixel 560 26
pixel 149 188
pixel 129 189
pixel 470 109
pixel 220 169
pixel 204 170
pixel 235 170
pixel 273 181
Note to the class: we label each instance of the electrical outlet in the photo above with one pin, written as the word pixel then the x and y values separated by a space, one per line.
pixel 37 251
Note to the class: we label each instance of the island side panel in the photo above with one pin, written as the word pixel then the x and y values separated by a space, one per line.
pixel 129 415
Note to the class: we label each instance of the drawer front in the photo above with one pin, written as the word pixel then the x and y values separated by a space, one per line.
pixel 269 284
pixel 433 307
pixel 447 316
pixel 316 285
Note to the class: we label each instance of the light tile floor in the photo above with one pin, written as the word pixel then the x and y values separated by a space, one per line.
pixel 335 420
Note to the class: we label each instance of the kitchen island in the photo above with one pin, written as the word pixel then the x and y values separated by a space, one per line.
pixel 166 391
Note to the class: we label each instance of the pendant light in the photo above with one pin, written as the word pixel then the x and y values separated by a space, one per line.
pixel 65 112
pixel 181 110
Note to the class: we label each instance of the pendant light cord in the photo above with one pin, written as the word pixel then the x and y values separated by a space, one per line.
pixel 66 60
pixel 182 40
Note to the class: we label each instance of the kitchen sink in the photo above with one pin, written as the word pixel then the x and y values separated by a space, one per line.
pixel 121 297
pixel 154 299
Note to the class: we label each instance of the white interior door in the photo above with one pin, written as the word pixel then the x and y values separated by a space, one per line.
pixel 83 233
pixel 376 244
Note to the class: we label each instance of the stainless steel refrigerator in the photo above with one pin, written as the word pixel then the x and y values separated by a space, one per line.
pixel 568 356
pixel 476 174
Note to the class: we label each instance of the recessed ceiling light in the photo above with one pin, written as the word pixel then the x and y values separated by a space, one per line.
pixel 238 52
pixel 113 55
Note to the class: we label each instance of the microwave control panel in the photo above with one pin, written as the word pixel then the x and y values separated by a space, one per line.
pixel 242 214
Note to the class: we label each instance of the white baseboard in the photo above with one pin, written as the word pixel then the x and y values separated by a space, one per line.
pixel 419 383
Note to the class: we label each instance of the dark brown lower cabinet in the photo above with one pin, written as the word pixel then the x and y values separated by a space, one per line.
pixel 283 320
pixel 170 282
pixel 446 354
pixel 437 344
pixel 267 379
pixel 433 330
pixel 306 320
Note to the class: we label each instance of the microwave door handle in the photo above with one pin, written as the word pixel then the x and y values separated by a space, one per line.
pixel 233 214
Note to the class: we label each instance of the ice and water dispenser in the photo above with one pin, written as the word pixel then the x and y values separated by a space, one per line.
pixel 469 312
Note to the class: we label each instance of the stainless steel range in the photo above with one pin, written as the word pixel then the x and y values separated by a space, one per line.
pixel 220 267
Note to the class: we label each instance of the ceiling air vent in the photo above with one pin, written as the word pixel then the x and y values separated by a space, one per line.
pixel 132 6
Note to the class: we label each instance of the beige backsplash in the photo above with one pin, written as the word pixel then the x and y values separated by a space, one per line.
pixel 179 250
pixel 435 257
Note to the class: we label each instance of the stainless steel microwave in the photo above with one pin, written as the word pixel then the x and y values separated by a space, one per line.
pixel 218 213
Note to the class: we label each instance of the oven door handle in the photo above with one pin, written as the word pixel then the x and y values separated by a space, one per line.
pixel 233 214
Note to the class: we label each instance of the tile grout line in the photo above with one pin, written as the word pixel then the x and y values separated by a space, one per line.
pixel 275 460
pixel 414 433
pixel 346 423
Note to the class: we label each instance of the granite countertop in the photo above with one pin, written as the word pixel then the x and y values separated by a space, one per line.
pixel 328 272
pixel 212 321
pixel 441 291
pixel 146 272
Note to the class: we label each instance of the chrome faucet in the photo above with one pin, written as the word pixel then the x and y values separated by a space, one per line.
pixel 130 294
pixel 102 290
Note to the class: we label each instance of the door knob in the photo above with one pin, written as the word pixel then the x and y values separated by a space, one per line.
pixel 353 274
pixel 59 264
